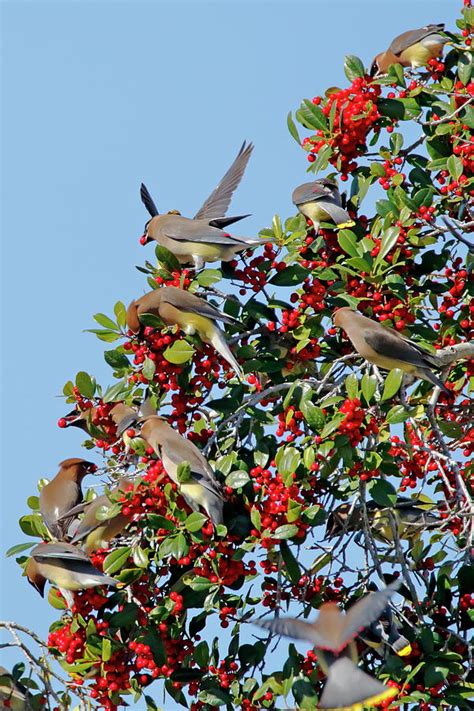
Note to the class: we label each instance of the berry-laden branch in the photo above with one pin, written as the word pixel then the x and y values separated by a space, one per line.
pixel 288 426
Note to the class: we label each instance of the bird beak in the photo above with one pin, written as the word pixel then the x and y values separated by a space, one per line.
pixel 144 239
pixel 72 418
pixel 90 467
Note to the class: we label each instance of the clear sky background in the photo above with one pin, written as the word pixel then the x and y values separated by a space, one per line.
pixel 98 96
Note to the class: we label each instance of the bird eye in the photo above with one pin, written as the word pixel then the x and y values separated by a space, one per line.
pixel 373 69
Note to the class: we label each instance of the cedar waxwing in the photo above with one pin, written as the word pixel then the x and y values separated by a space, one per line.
pixel 201 488
pixel 411 49
pixel 14 693
pixel 66 566
pixel 411 516
pixel 347 686
pixel 62 493
pixel 193 315
pixel 121 414
pixel 386 348
pixel 320 201
pixel 202 239
pixel 385 632
pixel 95 533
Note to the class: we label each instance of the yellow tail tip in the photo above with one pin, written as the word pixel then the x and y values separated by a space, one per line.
pixel 343 225
pixel 405 651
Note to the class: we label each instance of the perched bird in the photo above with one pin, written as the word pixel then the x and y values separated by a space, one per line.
pixel 411 49
pixel 384 632
pixel 202 238
pixel 200 488
pixel 95 533
pixel 386 348
pixel 121 414
pixel 192 314
pixel 412 517
pixel 62 493
pixel 320 201
pixel 332 635
pixel 66 566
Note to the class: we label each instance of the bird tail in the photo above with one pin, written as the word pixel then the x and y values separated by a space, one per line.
pixel 427 374
pixel 221 222
pixel 220 344
pixel 348 686
pixel 337 213
pixel 214 507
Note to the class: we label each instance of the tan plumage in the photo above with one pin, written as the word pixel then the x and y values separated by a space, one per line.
pixel 66 566
pixel 94 533
pixel 189 312
pixel 413 48
pixel 332 635
pixel 385 347
pixel 320 201
pixel 202 488
pixel 201 239
pixel 62 493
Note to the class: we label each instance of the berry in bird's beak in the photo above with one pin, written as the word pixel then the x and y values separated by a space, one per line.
pixel 62 422
pixel 144 239
pixel 91 467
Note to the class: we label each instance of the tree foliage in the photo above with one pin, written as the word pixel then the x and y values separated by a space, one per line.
pixel 312 427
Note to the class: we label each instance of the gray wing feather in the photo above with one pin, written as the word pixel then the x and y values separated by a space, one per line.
pixel 297 629
pixel 407 39
pixel 65 551
pixel 335 211
pixel 218 201
pixel 310 191
pixel 367 610
pixel 390 344
pixel 180 298
pixel 184 230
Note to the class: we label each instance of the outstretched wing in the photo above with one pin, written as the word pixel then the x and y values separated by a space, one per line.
pixel 297 629
pixel 218 201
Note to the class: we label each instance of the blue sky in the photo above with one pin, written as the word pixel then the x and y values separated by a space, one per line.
pixel 98 96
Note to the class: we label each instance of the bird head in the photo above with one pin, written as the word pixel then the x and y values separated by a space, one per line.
pixel 337 520
pixel 77 468
pixel 34 576
pixel 340 315
pixel 145 238
pixel 375 67
pixel 75 418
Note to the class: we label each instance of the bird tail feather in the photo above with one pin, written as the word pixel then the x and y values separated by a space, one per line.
pixel 220 344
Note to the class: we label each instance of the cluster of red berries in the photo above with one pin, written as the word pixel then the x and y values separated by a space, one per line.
pixel 356 115
pixel 352 424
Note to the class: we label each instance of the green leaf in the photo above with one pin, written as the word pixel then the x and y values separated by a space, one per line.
pixel 290 276
pixel 389 240
pixel 348 242
pixel 167 258
pixel 85 384
pixel 352 386
pixel 368 387
pixel 106 649
pixel 183 473
pixel 398 414
pixel 353 67
pixel 148 368
pixel 287 460
pixel 116 392
pixel 288 530
pixel 465 69
pixel 396 143
pixel 392 383
pixel 179 352
pixel 383 493
pixel 291 564
pixel 105 321
pixel 208 277
pixel 314 115
pixel 120 314
pixel 117 559
pixel 313 415
pixel 151 320
pixel 197 582
pixel 237 479
pixel 455 166
pixel 195 522
pixel 57 602
pixel 116 359
pixel 19 548
pixel 292 128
